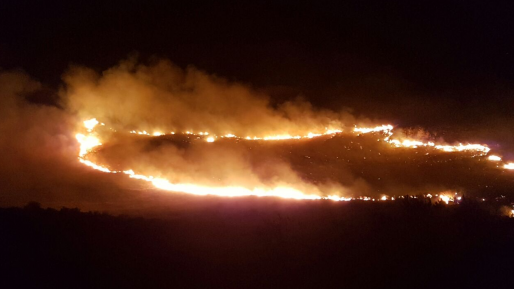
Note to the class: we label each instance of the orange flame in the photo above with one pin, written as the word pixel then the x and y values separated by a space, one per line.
pixel 89 141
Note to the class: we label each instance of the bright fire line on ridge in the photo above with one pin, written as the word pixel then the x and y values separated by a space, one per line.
pixel 89 141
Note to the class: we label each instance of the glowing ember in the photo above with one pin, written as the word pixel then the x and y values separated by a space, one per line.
pixel 509 166
pixel 494 158
pixel 210 139
pixel 461 147
pixel 445 198
pixel 383 128
pixel 90 124
pixel 408 143
pixel 95 166
pixel 87 143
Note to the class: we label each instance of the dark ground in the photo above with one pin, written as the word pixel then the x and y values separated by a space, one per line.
pixel 248 243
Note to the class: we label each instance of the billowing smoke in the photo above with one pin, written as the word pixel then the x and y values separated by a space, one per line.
pixel 38 153
pixel 39 150
pixel 35 139
pixel 163 97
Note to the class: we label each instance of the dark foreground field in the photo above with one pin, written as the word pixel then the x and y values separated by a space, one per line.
pixel 291 245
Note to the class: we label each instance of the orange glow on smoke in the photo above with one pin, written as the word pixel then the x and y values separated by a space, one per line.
pixel 89 141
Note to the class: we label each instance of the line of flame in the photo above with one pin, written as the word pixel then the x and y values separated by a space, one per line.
pixel 385 129
pixel 90 141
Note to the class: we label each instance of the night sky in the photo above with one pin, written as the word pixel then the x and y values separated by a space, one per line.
pixel 398 55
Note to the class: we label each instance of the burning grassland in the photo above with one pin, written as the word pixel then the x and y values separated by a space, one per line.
pixel 335 166
pixel 160 128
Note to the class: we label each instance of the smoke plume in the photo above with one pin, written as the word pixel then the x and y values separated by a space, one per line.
pixel 39 150
pixel 163 97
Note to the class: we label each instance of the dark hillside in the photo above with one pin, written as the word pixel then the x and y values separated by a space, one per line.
pixel 323 245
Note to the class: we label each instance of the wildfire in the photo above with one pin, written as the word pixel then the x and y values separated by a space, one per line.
pixel 89 141
pixel 494 158
pixel 383 128
pixel 388 131
pixel 229 135
pixel 446 198
pixel 90 124
pixel 461 147
pixel 509 166
pixel 231 191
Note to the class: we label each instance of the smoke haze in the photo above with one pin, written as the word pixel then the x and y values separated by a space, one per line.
pixel 39 150
pixel 163 97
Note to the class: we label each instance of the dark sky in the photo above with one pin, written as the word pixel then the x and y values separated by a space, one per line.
pixel 382 58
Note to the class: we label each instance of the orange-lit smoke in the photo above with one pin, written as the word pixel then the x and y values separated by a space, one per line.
pixel 294 189
pixel 162 99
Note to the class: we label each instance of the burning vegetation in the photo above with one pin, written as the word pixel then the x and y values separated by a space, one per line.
pixel 189 132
